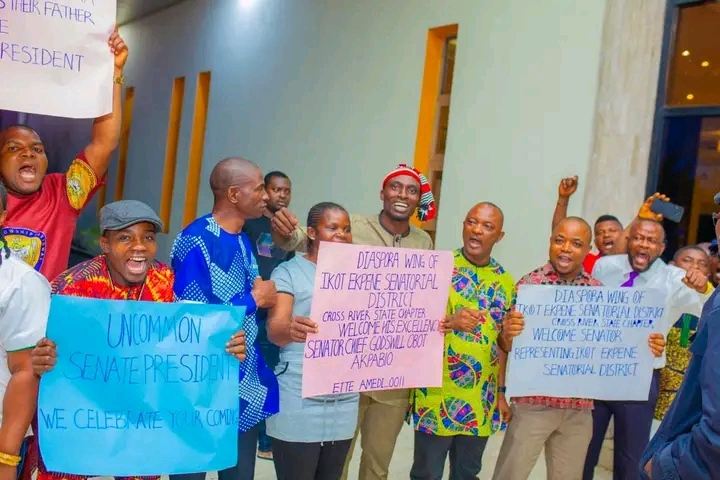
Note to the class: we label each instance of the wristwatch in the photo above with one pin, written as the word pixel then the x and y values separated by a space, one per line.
pixel 502 389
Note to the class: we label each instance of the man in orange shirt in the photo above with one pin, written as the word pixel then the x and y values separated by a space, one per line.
pixel 43 209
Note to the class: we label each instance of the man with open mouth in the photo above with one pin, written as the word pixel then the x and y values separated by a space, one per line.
pixel 404 191
pixel 562 426
pixel 610 237
pixel 127 270
pixel 43 208
pixel 685 292
pixel 24 308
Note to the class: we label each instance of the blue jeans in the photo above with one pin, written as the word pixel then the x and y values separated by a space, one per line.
pixel 264 444
pixel 245 467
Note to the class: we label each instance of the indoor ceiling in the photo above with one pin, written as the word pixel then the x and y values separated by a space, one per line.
pixel 694 74
pixel 131 10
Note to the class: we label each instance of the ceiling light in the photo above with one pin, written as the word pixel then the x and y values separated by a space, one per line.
pixel 705 64
pixel 690 96
pixel 686 53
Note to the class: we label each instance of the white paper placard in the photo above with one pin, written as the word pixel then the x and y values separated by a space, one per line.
pixel 54 57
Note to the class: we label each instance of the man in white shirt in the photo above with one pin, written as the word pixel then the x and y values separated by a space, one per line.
pixel 686 292
pixel 24 308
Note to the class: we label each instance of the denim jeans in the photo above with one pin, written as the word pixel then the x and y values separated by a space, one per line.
pixel 264 444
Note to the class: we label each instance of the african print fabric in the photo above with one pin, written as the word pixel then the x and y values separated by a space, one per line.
pixel 677 351
pixel 91 279
pixel 218 267
pixel 466 404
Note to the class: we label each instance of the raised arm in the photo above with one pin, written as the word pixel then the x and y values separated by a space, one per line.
pixel 106 129
pixel 23 324
pixel 567 187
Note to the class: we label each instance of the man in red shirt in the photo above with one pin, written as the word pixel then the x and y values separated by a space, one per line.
pixel 43 209
pixel 610 237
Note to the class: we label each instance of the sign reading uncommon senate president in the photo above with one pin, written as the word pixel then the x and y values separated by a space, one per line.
pixel 584 342
pixel 378 311
pixel 146 386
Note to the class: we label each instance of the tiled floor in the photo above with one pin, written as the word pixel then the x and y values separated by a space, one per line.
pixel 400 467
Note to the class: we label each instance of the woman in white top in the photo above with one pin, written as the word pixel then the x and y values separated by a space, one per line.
pixel 311 436
pixel 24 309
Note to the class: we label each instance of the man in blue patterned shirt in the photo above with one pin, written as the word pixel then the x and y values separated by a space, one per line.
pixel 213 263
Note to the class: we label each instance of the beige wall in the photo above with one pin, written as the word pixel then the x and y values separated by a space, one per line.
pixel 624 108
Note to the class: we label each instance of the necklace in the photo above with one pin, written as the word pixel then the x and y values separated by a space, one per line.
pixel 142 289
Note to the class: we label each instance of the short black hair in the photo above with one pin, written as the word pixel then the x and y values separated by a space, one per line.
pixel 21 126
pixel 579 220
pixel 275 174
pixel 686 248
pixel 318 211
pixel 607 218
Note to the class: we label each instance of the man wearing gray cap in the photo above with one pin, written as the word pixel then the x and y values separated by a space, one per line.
pixel 687 444
pixel 127 270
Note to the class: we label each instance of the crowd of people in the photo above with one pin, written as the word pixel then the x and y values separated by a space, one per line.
pixel 251 251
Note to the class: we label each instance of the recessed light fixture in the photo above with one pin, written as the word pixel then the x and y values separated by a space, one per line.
pixel 690 96
pixel 705 64
pixel 686 53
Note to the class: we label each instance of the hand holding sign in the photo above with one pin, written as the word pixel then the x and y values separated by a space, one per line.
pixel 118 48
pixel 513 324
pixel 656 342
pixel 446 325
pixel 44 356
pixel 300 327
pixel 236 346
pixel 696 280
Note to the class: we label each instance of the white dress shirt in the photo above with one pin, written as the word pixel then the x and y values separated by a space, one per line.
pixel 24 309
pixel 614 270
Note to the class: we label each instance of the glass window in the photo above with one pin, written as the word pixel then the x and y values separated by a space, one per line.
pixel 442 129
pixel 694 69
pixel 449 67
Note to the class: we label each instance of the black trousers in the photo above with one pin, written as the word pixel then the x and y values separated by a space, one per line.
pixel 245 467
pixel 309 461
pixel 633 423
pixel 431 451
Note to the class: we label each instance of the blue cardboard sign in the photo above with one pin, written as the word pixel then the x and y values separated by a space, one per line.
pixel 139 388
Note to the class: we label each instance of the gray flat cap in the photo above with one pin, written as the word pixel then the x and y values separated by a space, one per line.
pixel 125 213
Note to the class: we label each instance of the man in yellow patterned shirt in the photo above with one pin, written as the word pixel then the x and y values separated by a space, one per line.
pixel 457 419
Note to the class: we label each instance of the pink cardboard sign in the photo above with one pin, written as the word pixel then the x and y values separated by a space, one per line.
pixel 378 312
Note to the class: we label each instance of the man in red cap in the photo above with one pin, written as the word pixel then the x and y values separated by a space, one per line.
pixel 404 192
